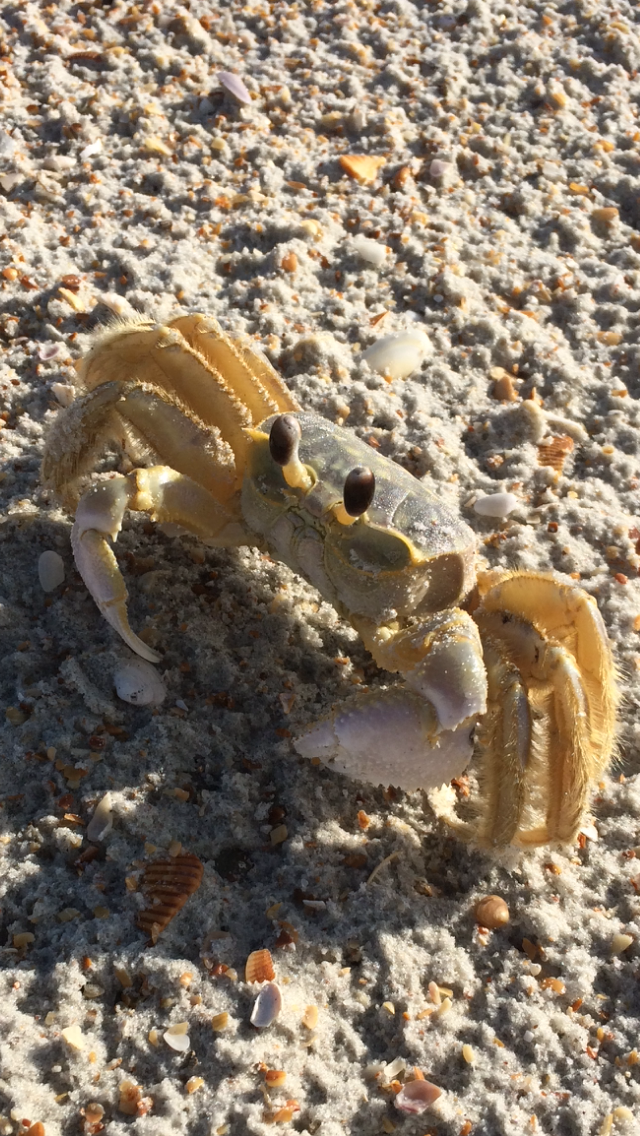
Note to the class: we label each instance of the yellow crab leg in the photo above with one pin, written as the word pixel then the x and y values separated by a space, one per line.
pixel 166 496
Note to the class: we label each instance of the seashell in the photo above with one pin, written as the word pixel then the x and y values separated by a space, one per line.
pixel 362 167
pixel 63 392
pixel 439 168
pixel 416 1096
pixel 371 251
pixel 555 451
pixel 267 1006
pixel 168 884
pixel 50 570
pixel 492 912
pixel 101 822
pixel 91 150
pixel 177 1037
pixel 259 967
pixel 234 86
pixel 139 683
pixel 397 355
pixel 495 505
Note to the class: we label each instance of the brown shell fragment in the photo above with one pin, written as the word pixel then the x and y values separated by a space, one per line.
pixel 259 967
pixel 168 884
pixel 555 452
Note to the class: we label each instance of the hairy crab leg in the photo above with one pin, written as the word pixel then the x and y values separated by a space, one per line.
pixel 166 496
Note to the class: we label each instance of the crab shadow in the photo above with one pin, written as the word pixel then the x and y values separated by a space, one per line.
pixel 355 888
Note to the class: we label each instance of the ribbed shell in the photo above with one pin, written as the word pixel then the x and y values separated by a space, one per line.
pixel 168 884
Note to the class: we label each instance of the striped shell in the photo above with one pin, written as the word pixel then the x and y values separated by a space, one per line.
pixel 555 451
pixel 168 884
pixel 259 967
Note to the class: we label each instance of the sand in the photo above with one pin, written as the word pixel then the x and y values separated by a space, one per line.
pixel 505 215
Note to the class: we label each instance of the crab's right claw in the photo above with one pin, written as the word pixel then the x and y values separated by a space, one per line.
pixel 390 738
pixel 99 515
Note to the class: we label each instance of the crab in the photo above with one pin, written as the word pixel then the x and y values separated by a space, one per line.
pixel 512 668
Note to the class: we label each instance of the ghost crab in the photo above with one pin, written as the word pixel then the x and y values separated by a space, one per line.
pixel 515 666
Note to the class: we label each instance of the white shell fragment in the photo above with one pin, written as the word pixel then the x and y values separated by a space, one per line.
pixel 371 251
pixel 139 683
pixel 416 1096
pixel 91 150
pixel 64 393
pixel 235 87
pixel 495 505
pixel 398 355
pixel 177 1037
pixel 50 570
pixel 48 351
pixel 101 822
pixel 267 1006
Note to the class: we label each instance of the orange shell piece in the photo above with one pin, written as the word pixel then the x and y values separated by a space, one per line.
pixel 168 884
pixel 555 452
pixel 259 967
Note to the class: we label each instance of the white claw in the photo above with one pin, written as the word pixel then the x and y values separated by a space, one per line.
pixel 388 739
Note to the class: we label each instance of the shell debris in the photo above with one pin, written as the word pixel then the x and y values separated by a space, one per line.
pixel 555 451
pixel 234 86
pixel 168 884
pixel 259 967
pixel 362 167
pixel 101 822
pixel 492 912
pixel 139 683
pixel 497 505
pixel 267 1006
pixel 177 1037
pixel 50 570
pixel 416 1096
pixel 398 355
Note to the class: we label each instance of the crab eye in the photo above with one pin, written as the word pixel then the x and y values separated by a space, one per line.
pixel 284 438
pixel 359 489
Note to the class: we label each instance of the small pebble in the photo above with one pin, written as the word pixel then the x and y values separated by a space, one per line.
pixel 495 505
pixel 397 355
pixel 139 683
pixel 491 911
pixel 234 86
pixel 73 1037
pixel 50 570
pixel 620 942
pixel 267 1006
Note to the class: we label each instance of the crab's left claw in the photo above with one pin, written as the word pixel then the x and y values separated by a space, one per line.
pixel 419 736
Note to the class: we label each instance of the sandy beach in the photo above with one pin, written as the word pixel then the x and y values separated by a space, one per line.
pixel 316 176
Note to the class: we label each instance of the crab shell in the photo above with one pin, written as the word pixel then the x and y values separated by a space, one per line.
pixel 408 556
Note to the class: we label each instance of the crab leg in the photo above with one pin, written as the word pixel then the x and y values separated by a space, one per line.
pixel 418 736
pixel 166 496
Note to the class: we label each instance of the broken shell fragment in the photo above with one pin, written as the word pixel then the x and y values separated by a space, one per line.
pixel 177 1037
pixel 362 167
pixel 101 822
pixel 554 451
pixel 416 1096
pixel 267 1006
pixel 398 355
pixel 371 251
pixel 139 683
pixel 259 967
pixel 495 505
pixel 168 884
pixel 234 86
pixel 50 570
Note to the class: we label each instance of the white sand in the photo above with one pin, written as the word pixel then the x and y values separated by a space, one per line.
pixel 504 130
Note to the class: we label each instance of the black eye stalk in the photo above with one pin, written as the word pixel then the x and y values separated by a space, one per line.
pixel 284 439
pixel 359 490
